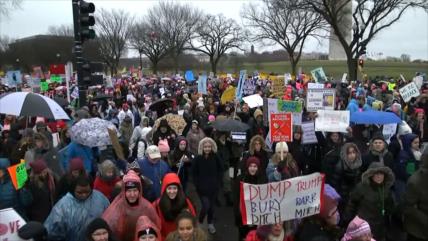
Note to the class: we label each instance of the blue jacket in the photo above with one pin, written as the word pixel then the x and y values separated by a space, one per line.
pixel 77 150
pixel 69 217
pixel 155 172
pixel 9 196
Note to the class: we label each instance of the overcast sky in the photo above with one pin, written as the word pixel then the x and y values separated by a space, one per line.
pixel 409 35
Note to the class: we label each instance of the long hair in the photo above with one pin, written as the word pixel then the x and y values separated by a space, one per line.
pixel 171 208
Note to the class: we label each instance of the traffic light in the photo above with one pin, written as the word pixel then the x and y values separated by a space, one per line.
pixel 86 73
pixel 87 20
pixel 87 76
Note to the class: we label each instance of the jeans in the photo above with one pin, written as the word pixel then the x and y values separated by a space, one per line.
pixel 208 204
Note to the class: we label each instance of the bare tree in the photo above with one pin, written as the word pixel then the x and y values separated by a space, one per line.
pixel 61 30
pixel 215 35
pixel 113 30
pixel 6 6
pixel 4 43
pixel 369 18
pixel 283 22
pixel 175 24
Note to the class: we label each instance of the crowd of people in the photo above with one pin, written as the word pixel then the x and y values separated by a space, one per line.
pixel 374 187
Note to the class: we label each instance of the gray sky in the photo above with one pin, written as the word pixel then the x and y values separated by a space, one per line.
pixel 409 35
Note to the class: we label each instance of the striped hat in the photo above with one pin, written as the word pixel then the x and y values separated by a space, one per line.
pixel 356 228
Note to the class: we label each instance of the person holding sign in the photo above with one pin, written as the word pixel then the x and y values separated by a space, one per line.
pixel 282 164
pixel 273 232
pixel 250 175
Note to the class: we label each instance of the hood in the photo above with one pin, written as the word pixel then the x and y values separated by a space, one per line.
pixel 407 140
pixel 170 178
pixel 343 155
pixel 252 143
pixel 378 167
pixel 131 176
pixel 178 140
pixel 144 223
pixel 202 142
pixel 105 166
pixel 144 119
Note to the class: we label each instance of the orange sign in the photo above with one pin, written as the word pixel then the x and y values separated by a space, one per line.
pixel 281 128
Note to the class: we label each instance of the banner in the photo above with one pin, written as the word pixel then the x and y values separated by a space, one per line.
pixel 409 91
pixel 10 222
pixel 274 202
pixel 18 174
pixel 320 99
pixel 318 75
pixel 308 133
pixel 388 131
pixel 240 88
pixel 281 128
pixel 202 84
pixel 289 106
pixel 332 120
pixel 228 95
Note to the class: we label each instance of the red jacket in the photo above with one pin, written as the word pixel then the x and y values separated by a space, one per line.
pixel 252 236
pixel 170 226
pixel 105 187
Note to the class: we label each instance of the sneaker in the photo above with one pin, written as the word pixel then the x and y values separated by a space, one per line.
pixel 211 228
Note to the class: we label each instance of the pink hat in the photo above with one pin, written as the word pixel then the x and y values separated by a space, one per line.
pixel 356 228
pixel 211 118
pixel 163 146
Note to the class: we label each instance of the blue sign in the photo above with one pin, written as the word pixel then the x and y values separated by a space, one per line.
pixel 202 84
pixel 13 77
pixel 240 88
pixel 189 76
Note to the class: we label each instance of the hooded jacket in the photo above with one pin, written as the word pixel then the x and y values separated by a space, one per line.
pixel 122 217
pixel 49 154
pixel 407 164
pixel 416 202
pixel 145 223
pixel 170 226
pixel 385 157
pixel 373 202
pixel 101 183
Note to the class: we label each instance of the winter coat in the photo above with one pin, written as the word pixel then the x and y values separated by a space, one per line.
pixel 69 217
pixel 207 171
pixel 312 230
pixel 373 156
pixel 170 226
pixel 263 155
pixel 122 217
pixel 51 157
pixel 297 151
pixel 143 224
pixel 194 137
pixel 44 198
pixel 155 172
pixel 373 202
pixel 224 153
pixel 416 202
pixel 175 158
pixel 407 164
pixel 105 186
pixel 77 150
pixel 278 169
pixel 262 234
pixel 198 235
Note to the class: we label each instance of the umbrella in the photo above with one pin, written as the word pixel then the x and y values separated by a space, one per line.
pixel 230 125
pixel 102 97
pixel 92 132
pixel 161 104
pixel 374 117
pixel 61 101
pixel 176 122
pixel 31 104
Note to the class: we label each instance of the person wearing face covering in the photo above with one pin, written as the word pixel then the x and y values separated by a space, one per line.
pixel 70 215
pixel 107 178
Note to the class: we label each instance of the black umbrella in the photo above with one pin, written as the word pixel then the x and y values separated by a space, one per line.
pixel 61 101
pixel 161 104
pixel 102 97
pixel 230 125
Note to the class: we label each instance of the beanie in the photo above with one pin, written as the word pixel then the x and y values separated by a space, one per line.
pixel 252 160
pixel 95 224
pixel 76 164
pixel 378 136
pixel 211 118
pixel 38 166
pixel 163 146
pixel 356 228
pixel 258 112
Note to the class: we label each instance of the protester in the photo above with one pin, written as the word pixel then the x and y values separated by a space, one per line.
pixel 224 153
pixel 44 150
pixel 180 161
pixel 146 230
pixel 70 215
pixel 274 232
pixel 358 230
pixel 98 230
pixel 378 152
pixel 194 136
pixel 164 131
pixel 258 149
pixel 75 170
pixel 187 229
pixel 107 178
pixel 126 208
pixel 282 164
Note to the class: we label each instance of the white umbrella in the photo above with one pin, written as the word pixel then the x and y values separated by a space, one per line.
pixel 31 104
pixel 92 132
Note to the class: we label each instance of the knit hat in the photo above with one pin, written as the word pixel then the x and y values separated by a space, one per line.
pixel 252 160
pixel 76 164
pixel 211 118
pixel 163 146
pixel 153 152
pixel 378 136
pixel 281 147
pixel 97 223
pixel 329 202
pixel 356 228
pixel 258 112
pixel 132 166
pixel 38 166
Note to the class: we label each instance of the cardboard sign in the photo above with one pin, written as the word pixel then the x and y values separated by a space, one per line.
pixel 318 75
pixel 281 128
pixel 418 80
pixel 228 95
pixel 275 202
pixel 320 99
pixel 277 106
pixel 18 174
pixel 388 131
pixel 332 120
pixel 277 87
pixel 10 222
pixel 409 91
pixel 240 88
pixel 115 143
pixel 202 84
pixel 308 135
pixel 297 118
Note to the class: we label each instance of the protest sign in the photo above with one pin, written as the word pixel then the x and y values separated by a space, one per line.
pixel 388 131
pixel 320 99
pixel 189 76
pixel 10 222
pixel 344 78
pixel 202 84
pixel 315 86
pixel 409 91
pixel 249 87
pixel 239 89
pixel 289 106
pixel 44 86
pixel 287 78
pixel 271 105
pixel 115 143
pixel 308 133
pixel 56 79
pixel 418 80
pixel 297 118
pixel 281 128
pixel 228 95
pixel 18 174
pixel 13 77
pixel 276 202
pixel 277 87
pixel 253 100
pixel 318 75
pixel 332 120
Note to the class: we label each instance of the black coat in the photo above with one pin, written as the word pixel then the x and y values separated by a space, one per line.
pixel 207 174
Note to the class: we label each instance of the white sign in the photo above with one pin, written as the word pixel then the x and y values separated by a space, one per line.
pixel 275 202
pixel 308 135
pixel 297 118
pixel 287 78
pixel 320 99
pixel 344 78
pixel 253 100
pixel 409 91
pixel 418 80
pixel 332 120
pixel 388 131
pixel 315 86
pixel 10 222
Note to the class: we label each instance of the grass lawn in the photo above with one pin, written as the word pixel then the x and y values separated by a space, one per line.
pixel 337 68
